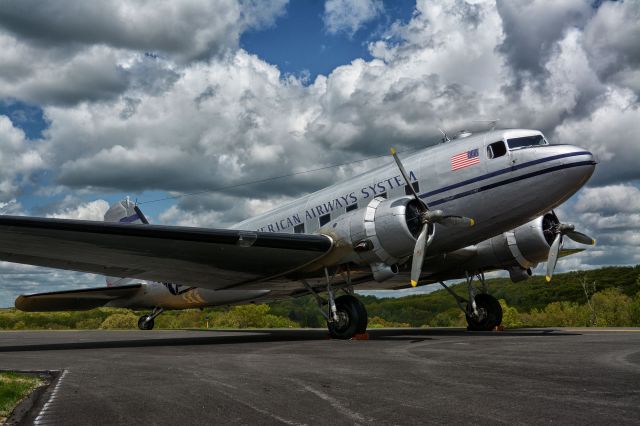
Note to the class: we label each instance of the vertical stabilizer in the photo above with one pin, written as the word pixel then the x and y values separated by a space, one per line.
pixel 125 212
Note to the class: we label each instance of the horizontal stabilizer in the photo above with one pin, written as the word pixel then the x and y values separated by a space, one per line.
pixel 74 300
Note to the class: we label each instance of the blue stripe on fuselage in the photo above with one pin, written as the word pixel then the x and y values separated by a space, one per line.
pixel 501 172
pixel 508 181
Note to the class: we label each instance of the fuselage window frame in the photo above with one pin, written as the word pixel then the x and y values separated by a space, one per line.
pixel 496 150
pixel 324 219
pixel 523 142
pixel 352 207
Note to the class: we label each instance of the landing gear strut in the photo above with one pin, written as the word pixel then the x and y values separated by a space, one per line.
pixel 346 316
pixel 482 311
pixel 146 321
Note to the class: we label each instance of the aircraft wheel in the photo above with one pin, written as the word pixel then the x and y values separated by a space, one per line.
pixel 490 314
pixel 352 318
pixel 144 323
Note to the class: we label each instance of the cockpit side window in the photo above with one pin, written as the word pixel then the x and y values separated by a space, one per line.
pixel 496 149
pixel 534 140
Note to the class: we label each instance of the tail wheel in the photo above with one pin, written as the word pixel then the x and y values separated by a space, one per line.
pixel 144 323
pixel 489 313
pixel 352 318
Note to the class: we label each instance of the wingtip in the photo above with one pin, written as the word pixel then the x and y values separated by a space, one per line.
pixel 414 283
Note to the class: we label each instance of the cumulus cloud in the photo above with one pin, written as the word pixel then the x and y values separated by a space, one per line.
pixel 187 30
pixel 612 43
pixel 348 16
pixel 69 208
pixel 532 29
pixel 97 52
pixel 623 198
pixel 18 159
pixel 611 131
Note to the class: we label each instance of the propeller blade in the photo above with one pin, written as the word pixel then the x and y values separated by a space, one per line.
pixel 405 176
pixel 579 237
pixel 418 255
pixel 553 256
pixel 460 221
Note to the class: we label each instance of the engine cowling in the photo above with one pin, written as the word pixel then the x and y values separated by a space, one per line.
pixel 383 233
pixel 520 249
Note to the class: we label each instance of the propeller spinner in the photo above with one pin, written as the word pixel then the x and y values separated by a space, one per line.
pixel 427 218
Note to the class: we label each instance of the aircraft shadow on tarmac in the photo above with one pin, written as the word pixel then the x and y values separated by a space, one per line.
pixel 267 336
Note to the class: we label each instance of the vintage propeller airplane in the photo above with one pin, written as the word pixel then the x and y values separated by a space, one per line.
pixel 473 204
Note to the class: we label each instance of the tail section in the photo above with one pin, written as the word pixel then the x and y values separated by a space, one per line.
pixel 125 212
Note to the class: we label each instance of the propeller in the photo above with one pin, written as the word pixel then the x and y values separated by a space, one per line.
pixel 427 218
pixel 562 229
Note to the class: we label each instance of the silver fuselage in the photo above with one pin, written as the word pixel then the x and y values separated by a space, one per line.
pixel 499 193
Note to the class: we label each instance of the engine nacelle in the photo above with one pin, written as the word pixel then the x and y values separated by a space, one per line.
pixel 519 249
pixel 383 233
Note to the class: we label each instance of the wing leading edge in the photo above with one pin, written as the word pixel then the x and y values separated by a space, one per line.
pixel 210 258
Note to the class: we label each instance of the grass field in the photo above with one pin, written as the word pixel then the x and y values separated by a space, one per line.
pixel 14 387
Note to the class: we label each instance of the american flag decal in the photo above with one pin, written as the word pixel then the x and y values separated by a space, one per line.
pixel 465 159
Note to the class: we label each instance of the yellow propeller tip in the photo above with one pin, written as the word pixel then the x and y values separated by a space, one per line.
pixel 593 242
pixel 472 222
pixel 393 151
pixel 548 278
pixel 414 283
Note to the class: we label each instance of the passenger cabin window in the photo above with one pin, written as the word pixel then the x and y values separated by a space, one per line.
pixel 352 207
pixel 383 195
pixel 298 229
pixel 496 149
pixel 534 140
pixel 325 219
pixel 416 187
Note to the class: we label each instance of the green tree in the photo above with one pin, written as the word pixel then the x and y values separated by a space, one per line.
pixel 612 307
pixel 377 322
pixel 120 321
pixel 510 315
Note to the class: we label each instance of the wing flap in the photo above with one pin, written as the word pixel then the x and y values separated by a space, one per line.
pixel 74 300
pixel 210 258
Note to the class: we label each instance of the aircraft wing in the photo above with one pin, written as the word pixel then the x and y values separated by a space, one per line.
pixel 210 258
pixel 74 300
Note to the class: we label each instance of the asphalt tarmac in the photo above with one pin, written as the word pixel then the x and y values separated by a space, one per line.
pixel 401 376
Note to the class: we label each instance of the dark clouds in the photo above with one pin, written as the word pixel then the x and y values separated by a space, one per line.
pixel 532 29
pixel 187 30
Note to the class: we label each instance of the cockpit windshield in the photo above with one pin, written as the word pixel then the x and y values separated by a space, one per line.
pixel 534 140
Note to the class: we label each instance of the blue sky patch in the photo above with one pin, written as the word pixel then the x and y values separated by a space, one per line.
pixel 299 43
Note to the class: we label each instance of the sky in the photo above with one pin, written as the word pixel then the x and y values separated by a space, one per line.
pixel 156 99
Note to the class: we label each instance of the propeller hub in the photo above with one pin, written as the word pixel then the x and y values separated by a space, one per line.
pixel 563 228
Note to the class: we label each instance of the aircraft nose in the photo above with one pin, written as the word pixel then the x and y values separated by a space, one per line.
pixel 582 163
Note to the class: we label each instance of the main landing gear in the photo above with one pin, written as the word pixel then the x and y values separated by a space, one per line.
pixel 346 316
pixel 482 311
pixel 146 321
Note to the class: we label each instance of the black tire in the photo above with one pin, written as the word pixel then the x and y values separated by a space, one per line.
pixel 493 317
pixel 353 316
pixel 144 323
